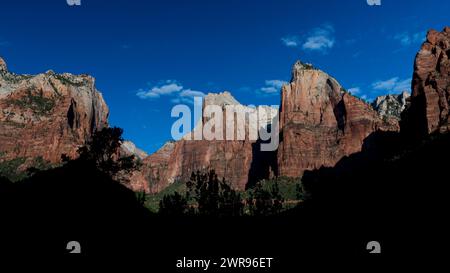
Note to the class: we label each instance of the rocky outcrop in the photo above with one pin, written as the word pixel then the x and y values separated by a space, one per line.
pixel 157 171
pixel 321 123
pixel 233 159
pixel 428 111
pixel 47 115
pixel 391 106
pixel 128 148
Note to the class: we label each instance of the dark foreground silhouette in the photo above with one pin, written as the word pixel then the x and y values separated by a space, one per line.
pixel 392 192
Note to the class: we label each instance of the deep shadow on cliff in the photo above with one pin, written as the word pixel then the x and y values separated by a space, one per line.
pixel 264 163
pixel 389 192
pixel 394 191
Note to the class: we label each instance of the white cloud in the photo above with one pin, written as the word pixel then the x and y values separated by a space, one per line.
pixel 320 39
pixel 355 90
pixel 291 41
pixel 269 90
pixel 172 89
pixel 407 39
pixel 156 91
pixel 192 93
pixel 393 84
pixel 146 94
pixel 272 87
pixel 275 83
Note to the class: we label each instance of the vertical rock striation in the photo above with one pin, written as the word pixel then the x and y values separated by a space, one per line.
pixel 321 123
pixel 428 111
pixel 47 115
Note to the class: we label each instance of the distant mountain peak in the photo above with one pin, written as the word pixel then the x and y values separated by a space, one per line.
pixel 221 99
pixel 129 148
pixel 391 106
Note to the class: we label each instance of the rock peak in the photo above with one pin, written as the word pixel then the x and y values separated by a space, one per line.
pixel 63 110
pixel 299 67
pixel 129 148
pixel 223 98
pixel 3 66
pixel 303 66
pixel 391 106
pixel 428 111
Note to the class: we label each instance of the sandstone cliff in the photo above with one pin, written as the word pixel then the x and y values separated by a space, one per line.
pixel 46 115
pixel 321 123
pixel 239 161
pixel 430 98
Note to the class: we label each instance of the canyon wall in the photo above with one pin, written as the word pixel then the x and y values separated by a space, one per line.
pixel 428 111
pixel 321 122
pixel 46 115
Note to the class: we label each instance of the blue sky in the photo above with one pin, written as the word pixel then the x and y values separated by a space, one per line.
pixel 148 55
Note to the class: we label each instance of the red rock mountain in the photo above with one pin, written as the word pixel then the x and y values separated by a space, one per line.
pixel 428 111
pixel 321 123
pixel 47 115
pixel 237 160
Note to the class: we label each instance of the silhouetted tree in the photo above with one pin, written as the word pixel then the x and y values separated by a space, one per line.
pixel 302 193
pixel 259 201
pixel 103 151
pixel 277 199
pixel 141 197
pixel 230 201
pixel 173 205
pixel 264 202
pixel 208 196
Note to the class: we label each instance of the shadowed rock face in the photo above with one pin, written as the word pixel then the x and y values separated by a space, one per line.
pixel 47 115
pixel 321 123
pixel 429 108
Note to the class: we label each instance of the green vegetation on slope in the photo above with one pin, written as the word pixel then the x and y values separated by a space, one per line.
pixel 9 169
pixel 36 102
pixel 152 200
pixel 289 190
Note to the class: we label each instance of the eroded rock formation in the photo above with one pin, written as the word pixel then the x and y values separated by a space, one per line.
pixel 391 106
pixel 46 115
pixel 430 98
pixel 233 159
pixel 128 148
pixel 321 122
